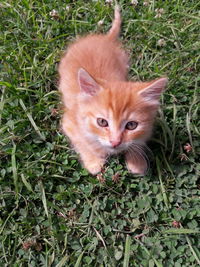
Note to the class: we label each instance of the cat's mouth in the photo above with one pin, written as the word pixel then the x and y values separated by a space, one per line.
pixel 117 149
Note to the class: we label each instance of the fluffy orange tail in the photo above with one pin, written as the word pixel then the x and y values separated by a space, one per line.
pixel 115 29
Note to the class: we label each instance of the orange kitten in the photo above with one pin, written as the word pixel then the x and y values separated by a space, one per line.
pixel 105 114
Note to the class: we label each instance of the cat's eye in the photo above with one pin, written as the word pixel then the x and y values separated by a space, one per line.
pixel 102 122
pixel 131 125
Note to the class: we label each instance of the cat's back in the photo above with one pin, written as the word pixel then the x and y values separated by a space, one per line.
pixel 99 55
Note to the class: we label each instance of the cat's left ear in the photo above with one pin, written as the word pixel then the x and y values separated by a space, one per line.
pixel 87 84
pixel 153 92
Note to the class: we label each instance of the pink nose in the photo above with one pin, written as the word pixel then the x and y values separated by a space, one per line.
pixel 115 143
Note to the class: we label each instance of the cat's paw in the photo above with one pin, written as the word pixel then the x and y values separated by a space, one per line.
pixel 136 166
pixel 94 166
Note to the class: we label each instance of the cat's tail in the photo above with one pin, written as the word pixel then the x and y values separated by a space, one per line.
pixel 115 29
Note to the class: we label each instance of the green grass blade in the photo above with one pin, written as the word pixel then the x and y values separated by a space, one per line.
pixel 26 183
pixel 31 120
pixel 78 262
pixel 180 231
pixel 14 167
pixel 127 251
pixel 44 201
pixel 63 261
pixel 193 250
pixel 174 129
pixel 188 126
pixel 2 103
pixel 161 184
pixel 6 220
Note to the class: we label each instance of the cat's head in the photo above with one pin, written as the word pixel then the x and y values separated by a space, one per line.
pixel 118 114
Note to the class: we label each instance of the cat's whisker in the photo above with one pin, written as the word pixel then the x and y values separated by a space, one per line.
pixel 137 151
pixel 138 156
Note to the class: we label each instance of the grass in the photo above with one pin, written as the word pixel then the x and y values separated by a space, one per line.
pixel 52 212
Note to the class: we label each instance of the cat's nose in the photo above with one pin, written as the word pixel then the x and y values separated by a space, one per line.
pixel 115 143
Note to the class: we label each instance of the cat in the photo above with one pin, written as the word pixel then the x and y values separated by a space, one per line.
pixel 104 113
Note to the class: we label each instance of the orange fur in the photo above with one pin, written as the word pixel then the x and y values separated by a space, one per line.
pixel 93 83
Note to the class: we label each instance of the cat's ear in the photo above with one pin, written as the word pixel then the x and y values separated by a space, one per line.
pixel 87 84
pixel 152 92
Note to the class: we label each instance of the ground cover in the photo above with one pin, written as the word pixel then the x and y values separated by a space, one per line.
pixel 52 212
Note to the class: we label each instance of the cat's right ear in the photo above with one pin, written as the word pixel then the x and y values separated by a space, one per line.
pixel 86 83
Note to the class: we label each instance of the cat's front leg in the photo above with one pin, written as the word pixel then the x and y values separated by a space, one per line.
pixel 136 163
pixel 92 160
pixel 93 163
